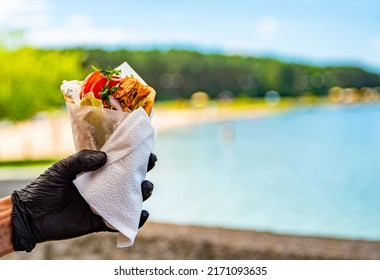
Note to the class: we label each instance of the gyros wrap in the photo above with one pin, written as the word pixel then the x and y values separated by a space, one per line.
pixel 110 111
pixel 99 103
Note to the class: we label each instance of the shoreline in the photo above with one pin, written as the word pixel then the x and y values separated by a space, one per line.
pixel 50 138
pixel 161 241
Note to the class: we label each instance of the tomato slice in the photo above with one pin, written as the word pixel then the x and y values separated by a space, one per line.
pixel 95 82
pixel 113 82
pixel 98 85
pixel 88 82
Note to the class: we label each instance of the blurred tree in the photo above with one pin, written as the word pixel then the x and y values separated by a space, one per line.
pixel 30 80
pixel 179 73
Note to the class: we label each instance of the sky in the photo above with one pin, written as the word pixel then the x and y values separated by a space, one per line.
pixel 321 32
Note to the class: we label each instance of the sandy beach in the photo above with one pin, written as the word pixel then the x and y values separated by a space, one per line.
pixel 50 137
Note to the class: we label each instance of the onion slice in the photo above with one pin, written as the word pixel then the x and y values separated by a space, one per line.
pixel 115 104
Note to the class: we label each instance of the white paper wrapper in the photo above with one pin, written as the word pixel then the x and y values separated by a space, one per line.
pixel 114 191
pixel 92 126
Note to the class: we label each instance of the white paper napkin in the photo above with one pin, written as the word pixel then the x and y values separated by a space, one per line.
pixel 114 191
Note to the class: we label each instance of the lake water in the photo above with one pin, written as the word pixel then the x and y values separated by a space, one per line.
pixel 309 171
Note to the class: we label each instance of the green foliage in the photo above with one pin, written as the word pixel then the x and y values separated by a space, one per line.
pixel 30 78
pixel 179 73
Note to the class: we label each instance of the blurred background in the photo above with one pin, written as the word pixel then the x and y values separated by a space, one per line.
pixel 266 112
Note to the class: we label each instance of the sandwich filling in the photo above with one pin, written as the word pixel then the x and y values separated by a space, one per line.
pixel 105 88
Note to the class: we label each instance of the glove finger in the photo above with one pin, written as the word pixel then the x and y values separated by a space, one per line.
pixel 152 161
pixel 82 161
pixel 98 224
pixel 143 218
pixel 146 189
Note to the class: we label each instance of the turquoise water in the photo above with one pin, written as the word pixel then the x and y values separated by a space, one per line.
pixel 310 171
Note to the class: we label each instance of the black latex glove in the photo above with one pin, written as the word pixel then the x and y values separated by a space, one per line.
pixel 51 207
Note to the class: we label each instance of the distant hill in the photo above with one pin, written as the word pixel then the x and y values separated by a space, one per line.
pixel 31 77
pixel 179 73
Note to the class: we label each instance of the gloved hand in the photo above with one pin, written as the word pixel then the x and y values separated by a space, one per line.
pixel 51 207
